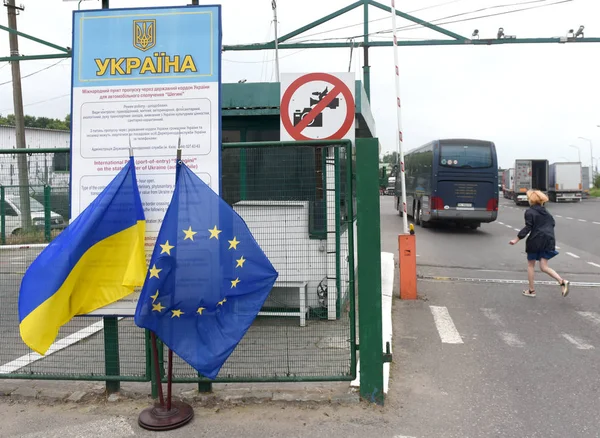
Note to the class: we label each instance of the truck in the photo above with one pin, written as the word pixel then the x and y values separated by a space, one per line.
pixel 530 175
pixel 585 181
pixel 508 183
pixel 565 182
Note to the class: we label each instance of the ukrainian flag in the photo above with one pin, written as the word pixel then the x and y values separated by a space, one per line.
pixel 98 259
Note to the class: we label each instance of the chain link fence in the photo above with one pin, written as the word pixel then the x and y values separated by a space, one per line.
pixel 299 203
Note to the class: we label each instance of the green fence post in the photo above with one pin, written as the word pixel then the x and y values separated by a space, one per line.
pixel 369 270
pixel 351 264
pixel 204 386
pixel 243 175
pixel 111 352
pixel 47 229
pixel 2 217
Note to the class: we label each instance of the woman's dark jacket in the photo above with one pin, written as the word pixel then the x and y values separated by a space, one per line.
pixel 539 224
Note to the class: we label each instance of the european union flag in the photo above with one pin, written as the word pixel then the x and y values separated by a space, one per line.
pixel 208 278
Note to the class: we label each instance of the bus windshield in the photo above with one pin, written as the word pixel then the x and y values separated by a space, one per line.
pixel 471 156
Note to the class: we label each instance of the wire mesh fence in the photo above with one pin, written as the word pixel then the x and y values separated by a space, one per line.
pixel 297 201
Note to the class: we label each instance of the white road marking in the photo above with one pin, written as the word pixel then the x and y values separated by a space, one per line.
pixel 558 215
pixel 582 220
pixel 501 223
pixel 109 428
pixel 516 229
pixel 512 340
pixel 493 316
pixel 63 343
pixel 403 436
pixel 570 218
pixel 594 264
pixel 509 226
pixel 591 316
pixel 597 223
pixel 558 247
pixel 579 343
pixel 445 325
pixel 573 255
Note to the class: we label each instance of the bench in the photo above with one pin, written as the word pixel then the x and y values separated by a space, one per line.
pixel 302 287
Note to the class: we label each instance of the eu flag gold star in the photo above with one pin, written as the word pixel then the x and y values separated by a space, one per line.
pixel 233 243
pixel 189 234
pixel 220 303
pixel 154 271
pixel 235 282
pixel 157 307
pixel 240 262
pixel 176 313
pixel 154 297
pixel 166 248
pixel 214 233
pixel 200 310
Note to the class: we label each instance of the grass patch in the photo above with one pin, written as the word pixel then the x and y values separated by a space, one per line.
pixel 595 192
pixel 33 236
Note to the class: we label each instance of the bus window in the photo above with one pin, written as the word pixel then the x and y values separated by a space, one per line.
pixel 471 156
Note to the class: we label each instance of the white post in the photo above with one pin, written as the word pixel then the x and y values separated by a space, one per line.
pixel 399 139
pixel 274 6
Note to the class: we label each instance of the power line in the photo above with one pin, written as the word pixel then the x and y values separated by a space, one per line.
pixel 268 60
pixel 436 21
pixel 36 72
pixel 439 21
pixel 295 39
pixel 40 101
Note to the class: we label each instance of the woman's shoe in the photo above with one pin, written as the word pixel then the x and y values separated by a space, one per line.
pixel 565 287
pixel 529 293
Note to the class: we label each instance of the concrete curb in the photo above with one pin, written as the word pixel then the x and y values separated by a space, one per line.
pixel 222 395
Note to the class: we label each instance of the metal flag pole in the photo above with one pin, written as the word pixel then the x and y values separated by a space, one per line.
pixel 399 139
pixel 156 368
pixel 176 413
pixel 130 148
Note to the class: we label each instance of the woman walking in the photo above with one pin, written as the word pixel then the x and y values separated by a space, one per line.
pixel 541 244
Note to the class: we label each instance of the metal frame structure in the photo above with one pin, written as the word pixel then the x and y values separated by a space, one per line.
pixel 280 43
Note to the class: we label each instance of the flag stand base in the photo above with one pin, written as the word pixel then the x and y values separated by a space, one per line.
pixel 158 418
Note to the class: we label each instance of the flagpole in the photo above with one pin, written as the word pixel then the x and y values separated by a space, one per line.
pixel 156 369
pixel 174 414
pixel 170 379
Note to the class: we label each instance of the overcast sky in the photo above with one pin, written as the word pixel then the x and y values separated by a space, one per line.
pixel 533 101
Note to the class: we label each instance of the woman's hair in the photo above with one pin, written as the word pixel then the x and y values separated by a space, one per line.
pixel 536 197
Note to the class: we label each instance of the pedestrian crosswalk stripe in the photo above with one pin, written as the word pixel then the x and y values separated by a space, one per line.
pixel 445 325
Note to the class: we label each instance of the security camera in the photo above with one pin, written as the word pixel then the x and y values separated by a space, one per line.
pixel 475 33
pixel 579 33
pixel 501 33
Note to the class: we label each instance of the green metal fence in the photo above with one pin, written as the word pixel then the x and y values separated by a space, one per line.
pixel 298 200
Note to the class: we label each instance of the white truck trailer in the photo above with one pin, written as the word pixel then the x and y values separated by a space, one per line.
pixel 565 182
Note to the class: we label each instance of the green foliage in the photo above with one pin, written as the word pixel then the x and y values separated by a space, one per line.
pixel 597 181
pixel 390 157
pixel 39 122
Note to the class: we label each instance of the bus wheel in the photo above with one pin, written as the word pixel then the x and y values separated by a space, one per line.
pixel 418 215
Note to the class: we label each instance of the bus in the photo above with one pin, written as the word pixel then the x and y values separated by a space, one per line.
pixel 451 181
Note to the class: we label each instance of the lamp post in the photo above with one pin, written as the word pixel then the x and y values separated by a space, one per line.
pixel 591 155
pixel 578 150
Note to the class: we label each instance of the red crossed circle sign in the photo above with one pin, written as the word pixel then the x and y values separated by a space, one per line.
pixel 339 87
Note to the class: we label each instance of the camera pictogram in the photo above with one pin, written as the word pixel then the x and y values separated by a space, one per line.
pixel 317 122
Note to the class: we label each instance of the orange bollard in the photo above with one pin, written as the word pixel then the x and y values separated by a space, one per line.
pixel 407 263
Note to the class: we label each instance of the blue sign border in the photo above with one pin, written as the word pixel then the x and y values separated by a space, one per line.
pixel 219 44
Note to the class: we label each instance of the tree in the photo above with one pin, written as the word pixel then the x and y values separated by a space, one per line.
pixel 597 181
pixel 390 157
pixel 39 122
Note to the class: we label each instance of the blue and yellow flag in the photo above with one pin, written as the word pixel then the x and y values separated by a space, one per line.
pixel 208 277
pixel 98 259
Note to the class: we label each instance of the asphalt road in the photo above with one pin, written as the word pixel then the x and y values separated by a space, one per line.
pixel 471 358
pixel 476 358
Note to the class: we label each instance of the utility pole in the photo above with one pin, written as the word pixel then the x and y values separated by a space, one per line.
pixel 274 6
pixel 24 205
